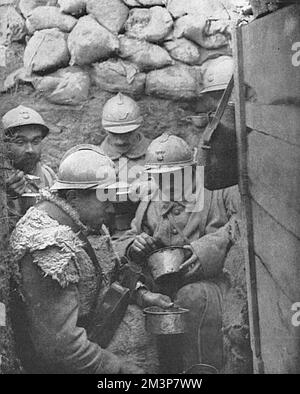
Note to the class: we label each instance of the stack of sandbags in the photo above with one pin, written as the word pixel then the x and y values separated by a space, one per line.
pixel 132 46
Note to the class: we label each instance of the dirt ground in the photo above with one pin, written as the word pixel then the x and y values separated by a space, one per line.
pixel 82 124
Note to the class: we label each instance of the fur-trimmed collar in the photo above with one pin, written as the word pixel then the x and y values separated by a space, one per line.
pixel 63 205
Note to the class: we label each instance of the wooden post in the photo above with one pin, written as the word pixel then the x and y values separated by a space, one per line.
pixel 248 236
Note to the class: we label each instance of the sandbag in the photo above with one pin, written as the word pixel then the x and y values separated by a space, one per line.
pixel 46 50
pixel 145 55
pixel 183 50
pixel 213 8
pixel 67 86
pixel 90 42
pixel 49 17
pixel 151 24
pixel 26 6
pixel 12 25
pixel 72 7
pixel 178 82
pixel 15 78
pixel 111 14
pixel 116 75
pixel 210 34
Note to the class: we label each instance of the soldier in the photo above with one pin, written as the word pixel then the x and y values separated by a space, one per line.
pixel 205 233
pixel 58 277
pixel 126 146
pixel 24 131
pixel 216 76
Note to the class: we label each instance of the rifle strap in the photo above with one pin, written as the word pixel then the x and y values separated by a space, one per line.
pixel 212 126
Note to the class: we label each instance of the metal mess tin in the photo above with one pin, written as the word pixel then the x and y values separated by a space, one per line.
pixel 165 262
pixel 165 321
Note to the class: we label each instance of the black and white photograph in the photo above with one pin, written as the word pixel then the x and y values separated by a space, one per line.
pixel 149 190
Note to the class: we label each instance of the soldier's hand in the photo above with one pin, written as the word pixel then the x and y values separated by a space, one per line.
pixel 142 245
pixel 131 369
pixel 192 266
pixel 16 184
pixel 156 299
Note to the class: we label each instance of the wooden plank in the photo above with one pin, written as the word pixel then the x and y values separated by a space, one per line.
pixel 279 250
pixel 247 230
pixel 274 174
pixel 271 57
pixel 280 121
pixel 280 340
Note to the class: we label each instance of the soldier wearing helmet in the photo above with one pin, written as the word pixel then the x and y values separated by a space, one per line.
pixel 60 279
pixel 24 129
pixel 126 146
pixel 216 76
pixel 202 223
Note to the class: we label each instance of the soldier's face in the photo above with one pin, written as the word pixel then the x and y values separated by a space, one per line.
pixel 208 102
pixel 122 140
pixel 24 147
pixel 93 213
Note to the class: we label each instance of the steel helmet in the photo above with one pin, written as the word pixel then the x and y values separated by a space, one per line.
pixel 121 114
pixel 217 73
pixel 22 116
pixel 85 167
pixel 168 153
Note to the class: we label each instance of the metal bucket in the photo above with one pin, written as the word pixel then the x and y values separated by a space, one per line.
pixel 201 369
pixel 165 321
pixel 166 261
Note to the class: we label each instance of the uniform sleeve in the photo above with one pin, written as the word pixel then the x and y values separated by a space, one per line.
pixel 52 312
pixel 123 243
pixel 212 248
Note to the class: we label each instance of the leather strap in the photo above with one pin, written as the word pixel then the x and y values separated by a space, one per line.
pixel 212 126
